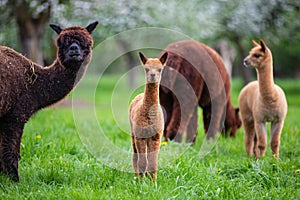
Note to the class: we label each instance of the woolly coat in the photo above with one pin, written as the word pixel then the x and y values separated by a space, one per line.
pixel 26 87
pixel 195 75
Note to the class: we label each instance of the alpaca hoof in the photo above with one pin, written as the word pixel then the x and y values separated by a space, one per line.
pixel 14 175
pixel 177 137
pixel 15 178
pixel 191 140
pixel 12 172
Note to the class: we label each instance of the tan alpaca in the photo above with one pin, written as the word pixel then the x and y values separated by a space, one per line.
pixel 260 102
pixel 146 119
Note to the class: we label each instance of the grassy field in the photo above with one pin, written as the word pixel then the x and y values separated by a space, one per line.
pixel 83 152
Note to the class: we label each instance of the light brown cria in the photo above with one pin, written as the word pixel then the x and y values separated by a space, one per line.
pixel 146 120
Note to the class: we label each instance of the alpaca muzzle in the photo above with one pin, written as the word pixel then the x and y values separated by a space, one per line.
pixel 74 52
pixel 246 63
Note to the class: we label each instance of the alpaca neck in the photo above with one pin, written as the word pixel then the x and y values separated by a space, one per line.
pixel 266 81
pixel 151 94
pixel 54 82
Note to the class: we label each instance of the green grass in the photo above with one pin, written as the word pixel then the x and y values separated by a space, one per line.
pixel 84 153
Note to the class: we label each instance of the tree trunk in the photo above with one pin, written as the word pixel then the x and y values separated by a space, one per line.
pixel 247 74
pixel 227 55
pixel 130 61
pixel 30 42
pixel 31 28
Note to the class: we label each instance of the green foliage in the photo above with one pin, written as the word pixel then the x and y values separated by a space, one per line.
pixel 55 163
pixel 236 22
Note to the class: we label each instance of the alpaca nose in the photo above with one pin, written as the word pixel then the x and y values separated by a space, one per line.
pixel 152 75
pixel 246 63
pixel 74 49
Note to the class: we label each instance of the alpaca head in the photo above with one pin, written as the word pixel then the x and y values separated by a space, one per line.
pixel 258 55
pixel 74 44
pixel 153 67
pixel 232 121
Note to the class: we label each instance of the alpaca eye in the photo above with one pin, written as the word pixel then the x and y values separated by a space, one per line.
pixel 146 69
pixel 257 55
pixel 159 70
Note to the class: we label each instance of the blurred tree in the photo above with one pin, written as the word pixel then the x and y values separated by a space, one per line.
pixel 30 16
pixel 242 21
pixel 236 22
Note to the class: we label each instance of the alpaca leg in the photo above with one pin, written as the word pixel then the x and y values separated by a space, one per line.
pixel 261 134
pixel 152 155
pixel 192 127
pixel 276 129
pixel 166 102
pixel 10 154
pixel 167 119
pixel 255 146
pixel 216 118
pixel 141 147
pixel 206 115
pixel 249 137
pixel 134 156
pixel 174 124
pixel 181 115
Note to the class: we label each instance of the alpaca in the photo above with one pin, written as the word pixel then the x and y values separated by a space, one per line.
pixel 146 119
pixel 262 101
pixel 196 66
pixel 27 87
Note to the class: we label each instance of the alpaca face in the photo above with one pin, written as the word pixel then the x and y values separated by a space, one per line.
pixel 153 70
pixel 257 55
pixel 74 44
pixel 153 67
pixel 74 47
pixel 233 123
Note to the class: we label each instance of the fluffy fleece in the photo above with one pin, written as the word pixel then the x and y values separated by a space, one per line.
pixel 195 75
pixel 262 101
pixel 27 87
pixel 146 120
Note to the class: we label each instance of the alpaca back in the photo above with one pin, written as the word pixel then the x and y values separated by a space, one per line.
pixel 16 74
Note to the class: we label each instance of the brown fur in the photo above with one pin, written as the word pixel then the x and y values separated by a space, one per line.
pixel 260 102
pixel 195 75
pixel 146 120
pixel 26 87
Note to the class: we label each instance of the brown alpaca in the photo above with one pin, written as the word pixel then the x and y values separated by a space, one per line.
pixel 195 75
pixel 27 87
pixel 260 102
pixel 146 119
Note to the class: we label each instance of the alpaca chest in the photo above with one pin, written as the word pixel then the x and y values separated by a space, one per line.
pixel 148 124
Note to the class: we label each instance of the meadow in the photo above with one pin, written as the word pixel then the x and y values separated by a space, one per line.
pixel 82 151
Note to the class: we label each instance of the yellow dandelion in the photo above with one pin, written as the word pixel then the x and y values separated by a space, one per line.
pixel 297 171
pixel 164 143
pixel 38 137
pixel 275 155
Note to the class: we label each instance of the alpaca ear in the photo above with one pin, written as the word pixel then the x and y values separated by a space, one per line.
pixel 263 45
pixel 143 58
pixel 91 27
pixel 237 110
pixel 56 28
pixel 163 58
pixel 255 43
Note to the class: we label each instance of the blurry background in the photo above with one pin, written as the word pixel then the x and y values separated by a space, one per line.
pixel 228 26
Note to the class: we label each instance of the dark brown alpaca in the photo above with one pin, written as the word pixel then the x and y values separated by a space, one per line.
pixel 26 87
pixel 195 75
